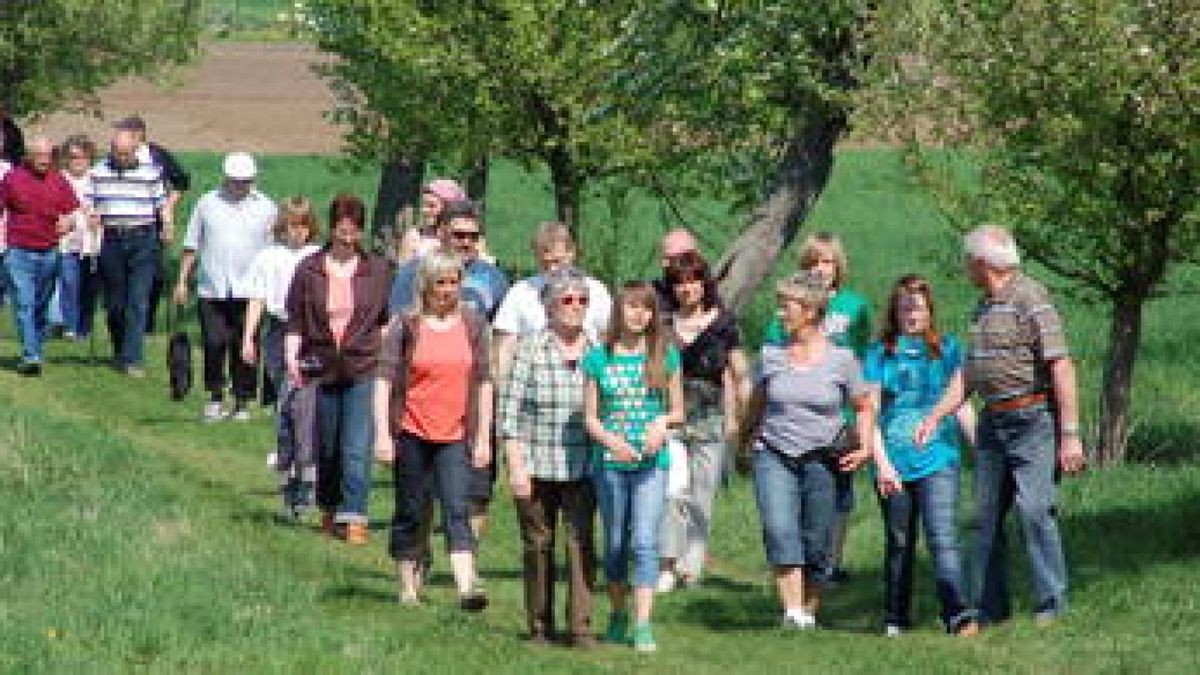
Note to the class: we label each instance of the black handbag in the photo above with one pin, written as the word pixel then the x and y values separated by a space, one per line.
pixel 179 357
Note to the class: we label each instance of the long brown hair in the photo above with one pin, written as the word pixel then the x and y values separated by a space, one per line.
pixel 642 293
pixel 911 284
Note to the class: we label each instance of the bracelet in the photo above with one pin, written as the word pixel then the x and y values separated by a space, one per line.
pixel 1070 430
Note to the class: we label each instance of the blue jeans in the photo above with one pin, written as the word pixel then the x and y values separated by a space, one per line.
pixel 344 413
pixel 933 499
pixel 631 510
pixel 421 467
pixel 77 286
pixel 32 275
pixel 127 263
pixel 1017 460
pixel 796 504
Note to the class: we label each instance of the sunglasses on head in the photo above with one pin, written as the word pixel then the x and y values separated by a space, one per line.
pixel 569 300
pixel 466 235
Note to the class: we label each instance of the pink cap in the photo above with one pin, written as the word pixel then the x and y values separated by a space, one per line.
pixel 446 190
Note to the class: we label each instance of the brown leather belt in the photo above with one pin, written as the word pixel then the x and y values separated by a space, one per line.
pixel 1017 402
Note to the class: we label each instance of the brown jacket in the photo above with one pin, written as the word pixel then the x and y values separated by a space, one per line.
pixel 396 357
pixel 308 316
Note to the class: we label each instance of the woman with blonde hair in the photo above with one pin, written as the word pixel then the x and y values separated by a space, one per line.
pixel 267 284
pixel 633 396
pixel 848 324
pixel 798 434
pixel 433 417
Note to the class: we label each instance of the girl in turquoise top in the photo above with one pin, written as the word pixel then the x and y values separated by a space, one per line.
pixel 632 396
pixel 847 324
pixel 910 367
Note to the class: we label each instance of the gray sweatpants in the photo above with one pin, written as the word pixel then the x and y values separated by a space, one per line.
pixel 688 518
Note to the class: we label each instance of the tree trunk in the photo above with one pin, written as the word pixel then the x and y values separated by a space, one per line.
pixel 566 182
pixel 802 175
pixel 1125 334
pixel 477 181
pixel 399 186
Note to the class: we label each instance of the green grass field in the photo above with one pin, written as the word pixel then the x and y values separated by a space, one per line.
pixel 133 538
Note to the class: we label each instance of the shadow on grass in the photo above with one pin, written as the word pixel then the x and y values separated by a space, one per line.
pixel 354 592
pixel 1127 540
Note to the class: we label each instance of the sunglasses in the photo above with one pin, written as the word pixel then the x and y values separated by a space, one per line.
pixel 466 235
pixel 569 300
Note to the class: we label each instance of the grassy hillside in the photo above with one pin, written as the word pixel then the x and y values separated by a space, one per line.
pixel 134 538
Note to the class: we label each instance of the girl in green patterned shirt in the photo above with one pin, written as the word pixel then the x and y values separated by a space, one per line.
pixel 632 396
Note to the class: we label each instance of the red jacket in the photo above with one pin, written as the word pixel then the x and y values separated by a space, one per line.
pixel 34 204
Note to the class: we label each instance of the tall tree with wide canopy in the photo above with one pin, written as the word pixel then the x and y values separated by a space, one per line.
pixel 55 54
pixel 1082 118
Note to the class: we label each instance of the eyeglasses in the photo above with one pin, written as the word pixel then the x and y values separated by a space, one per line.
pixel 569 300
pixel 466 235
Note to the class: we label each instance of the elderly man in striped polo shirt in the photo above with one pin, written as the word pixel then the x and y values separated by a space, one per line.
pixel 128 196
pixel 1019 365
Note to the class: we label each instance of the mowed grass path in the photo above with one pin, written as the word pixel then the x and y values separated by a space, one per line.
pixel 133 538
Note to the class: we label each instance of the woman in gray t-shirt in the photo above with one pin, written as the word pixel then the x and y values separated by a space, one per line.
pixel 795 424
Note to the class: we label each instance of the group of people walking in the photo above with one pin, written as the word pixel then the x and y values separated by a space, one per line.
pixel 632 402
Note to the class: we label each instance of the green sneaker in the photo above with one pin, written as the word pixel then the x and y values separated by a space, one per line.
pixel 618 628
pixel 643 639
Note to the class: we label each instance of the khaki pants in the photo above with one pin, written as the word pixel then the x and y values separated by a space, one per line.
pixel 538 516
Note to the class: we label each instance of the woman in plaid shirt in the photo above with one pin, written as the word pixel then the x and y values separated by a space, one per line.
pixel 541 423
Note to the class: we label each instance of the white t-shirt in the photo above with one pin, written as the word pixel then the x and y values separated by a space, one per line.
pixel 271 274
pixel 522 312
pixel 226 235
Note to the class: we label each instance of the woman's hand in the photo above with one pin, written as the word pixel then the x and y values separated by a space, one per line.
pixel 850 461
pixel 656 436
pixel 294 374
pixel 249 353
pixel 622 451
pixel 385 447
pixel 519 482
pixel 888 482
pixel 926 429
pixel 481 455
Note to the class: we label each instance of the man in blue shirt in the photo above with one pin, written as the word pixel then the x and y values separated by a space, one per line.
pixel 461 230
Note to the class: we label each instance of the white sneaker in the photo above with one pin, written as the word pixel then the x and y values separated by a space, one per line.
pixel 666 582
pixel 214 412
pixel 799 621
pixel 240 415
pixel 892 630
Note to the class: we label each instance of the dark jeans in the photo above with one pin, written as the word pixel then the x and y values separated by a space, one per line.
pixel 1016 463
pixel 32 275
pixel 78 287
pixel 538 516
pixel 934 500
pixel 127 263
pixel 347 434
pixel 156 289
pixel 420 468
pixel 221 324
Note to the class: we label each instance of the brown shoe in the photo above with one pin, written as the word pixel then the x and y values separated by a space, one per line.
pixel 328 525
pixel 356 533
pixel 968 629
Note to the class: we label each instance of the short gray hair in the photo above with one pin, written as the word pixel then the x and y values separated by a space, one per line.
pixel 560 282
pixel 807 286
pixel 993 245
pixel 433 266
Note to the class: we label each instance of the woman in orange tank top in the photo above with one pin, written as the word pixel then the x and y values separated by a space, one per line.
pixel 433 414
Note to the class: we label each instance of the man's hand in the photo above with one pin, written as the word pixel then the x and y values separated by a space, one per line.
pixel 481 457
pixel 1071 458
pixel 519 482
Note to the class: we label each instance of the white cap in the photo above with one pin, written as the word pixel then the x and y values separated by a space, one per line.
pixel 240 166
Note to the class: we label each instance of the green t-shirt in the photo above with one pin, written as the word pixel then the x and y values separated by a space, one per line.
pixel 627 405
pixel 847 324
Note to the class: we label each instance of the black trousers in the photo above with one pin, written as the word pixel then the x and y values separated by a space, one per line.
pixel 221 324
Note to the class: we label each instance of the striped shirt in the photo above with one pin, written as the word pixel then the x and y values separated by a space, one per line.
pixel 1013 337
pixel 127 198
pixel 541 405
